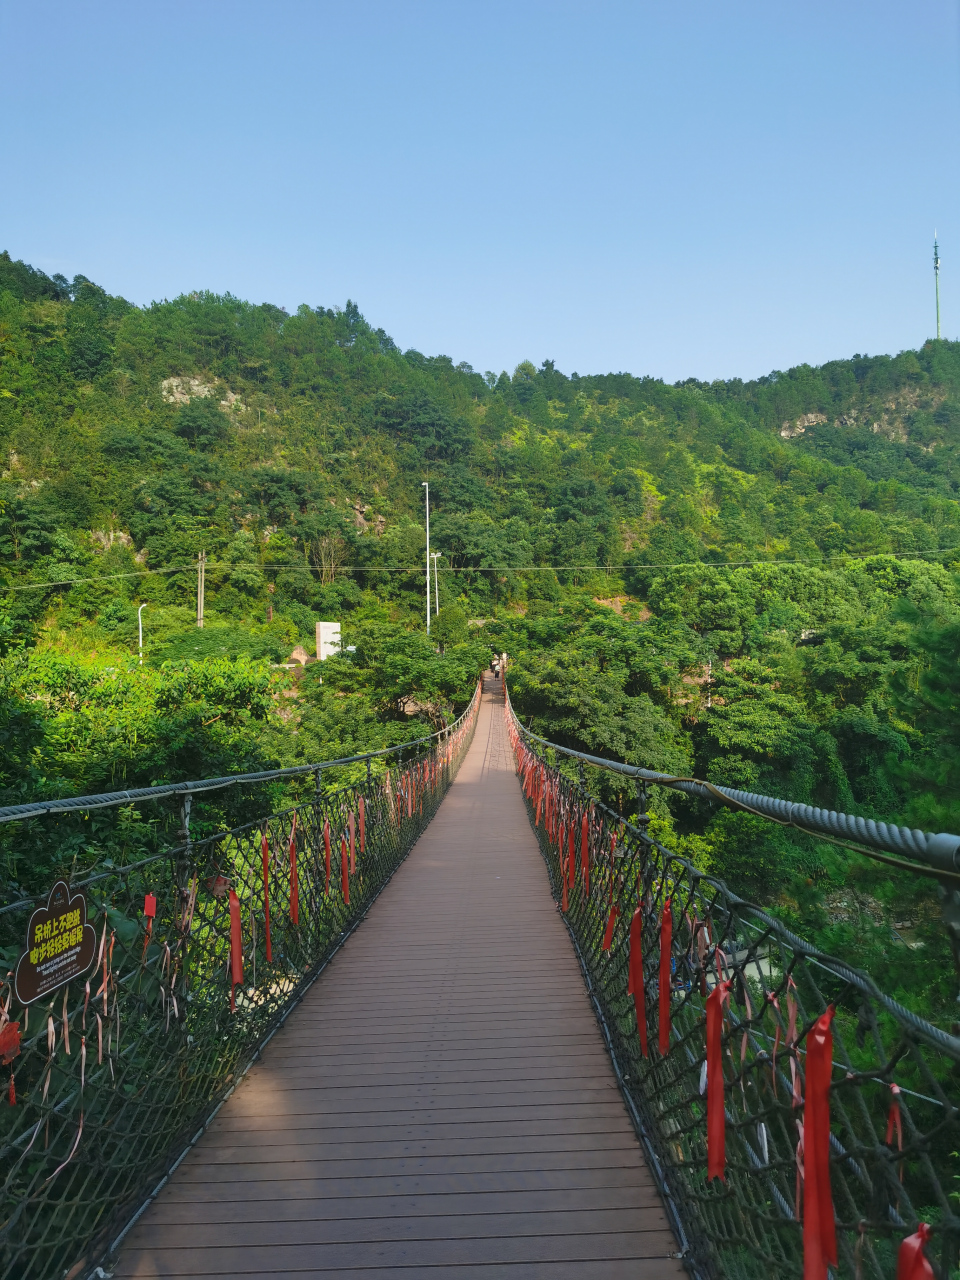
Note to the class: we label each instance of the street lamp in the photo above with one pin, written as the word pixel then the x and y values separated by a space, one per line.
pixel 435 556
pixel 140 628
pixel 425 484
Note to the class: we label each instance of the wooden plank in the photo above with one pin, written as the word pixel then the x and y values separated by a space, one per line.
pixel 228 1259
pixel 173 1212
pixel 440 1104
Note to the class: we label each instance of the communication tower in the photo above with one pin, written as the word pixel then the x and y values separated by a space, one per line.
pixel 936 278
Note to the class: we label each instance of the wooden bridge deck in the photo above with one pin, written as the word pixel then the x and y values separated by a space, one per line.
pixel 441 1104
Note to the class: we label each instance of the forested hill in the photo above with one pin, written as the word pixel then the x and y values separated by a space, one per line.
pixel 186 423
pixel 292 450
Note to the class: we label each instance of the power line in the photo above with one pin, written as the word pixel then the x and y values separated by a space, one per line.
pixel 846 556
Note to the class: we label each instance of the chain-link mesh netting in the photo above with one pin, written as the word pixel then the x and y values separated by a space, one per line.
pixel 105 1082
pixel 891 1137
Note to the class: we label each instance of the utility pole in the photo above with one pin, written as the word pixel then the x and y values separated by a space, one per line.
pixel 426 486
pixel 936 277
pixel 201 583
pixel 140 628
pixel 435 556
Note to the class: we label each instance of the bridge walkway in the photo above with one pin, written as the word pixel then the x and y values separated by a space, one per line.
pixel 441 1105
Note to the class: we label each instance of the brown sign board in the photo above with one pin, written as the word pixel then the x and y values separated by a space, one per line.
pixel 60 945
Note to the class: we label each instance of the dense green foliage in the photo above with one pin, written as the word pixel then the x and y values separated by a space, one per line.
pixel 753 582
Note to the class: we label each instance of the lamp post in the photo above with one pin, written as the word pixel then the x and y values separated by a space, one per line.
pixel 140 629
pixel 435 556
pixel 426 486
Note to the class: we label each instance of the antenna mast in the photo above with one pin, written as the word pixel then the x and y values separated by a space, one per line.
pixel 936 277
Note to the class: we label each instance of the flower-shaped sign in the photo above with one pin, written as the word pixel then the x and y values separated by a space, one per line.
pixel 60 945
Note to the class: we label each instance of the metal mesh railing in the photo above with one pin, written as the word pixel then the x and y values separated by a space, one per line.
pixel 107 1081
pixel 891 1084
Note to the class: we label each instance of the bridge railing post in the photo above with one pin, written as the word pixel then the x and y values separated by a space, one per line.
pixel 642 820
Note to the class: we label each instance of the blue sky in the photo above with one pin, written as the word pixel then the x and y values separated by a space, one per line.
pixel 709 190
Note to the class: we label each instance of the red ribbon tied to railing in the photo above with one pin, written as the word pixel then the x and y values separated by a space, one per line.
pixel 912 1263
pixel 635 973
pixel 344 871
pixel 351 827
pixel 666 976
pixel 819 1228
pixel 294 876
pixel 265 851
pixel 894 1123
pixel 236 948
pixel 571 855
pixel 585 853
pixel 716 1119
pixel 608 931
pixel 149 911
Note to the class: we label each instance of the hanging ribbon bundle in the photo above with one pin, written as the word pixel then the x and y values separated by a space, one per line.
pixel 819 1228
pixel 571 856
pixel 608 931
pixel 666 976
pixel 635 979
pixel 716 1120
pixel 912 1263
pixel 344 871
pixel 363 826
pixel 294 876
pixel 265 852
pixel 351 827
pixel 236 949
pixel 326 855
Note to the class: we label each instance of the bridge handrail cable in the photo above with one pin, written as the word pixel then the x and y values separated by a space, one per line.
pixel 109 799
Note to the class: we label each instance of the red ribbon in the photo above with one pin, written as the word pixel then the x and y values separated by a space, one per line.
pixel 894 1123
pixel 585 854
pixel 893 1119
pixel 571 856
pixel 326 854
pixel 353 855
pixel 716 1120
pixel 666 976
pixel 912 1262
pixel 236 948
pixel 819 1228
pixel 635 978
pixel 363 826
pixel 608 931
pixel 344 877
pixel 9 1042
pixel 150 911
pixel 294 876
pixel 265 851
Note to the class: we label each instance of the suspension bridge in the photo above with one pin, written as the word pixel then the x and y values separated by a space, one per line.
pixel 458 1019
pixel 442 1099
